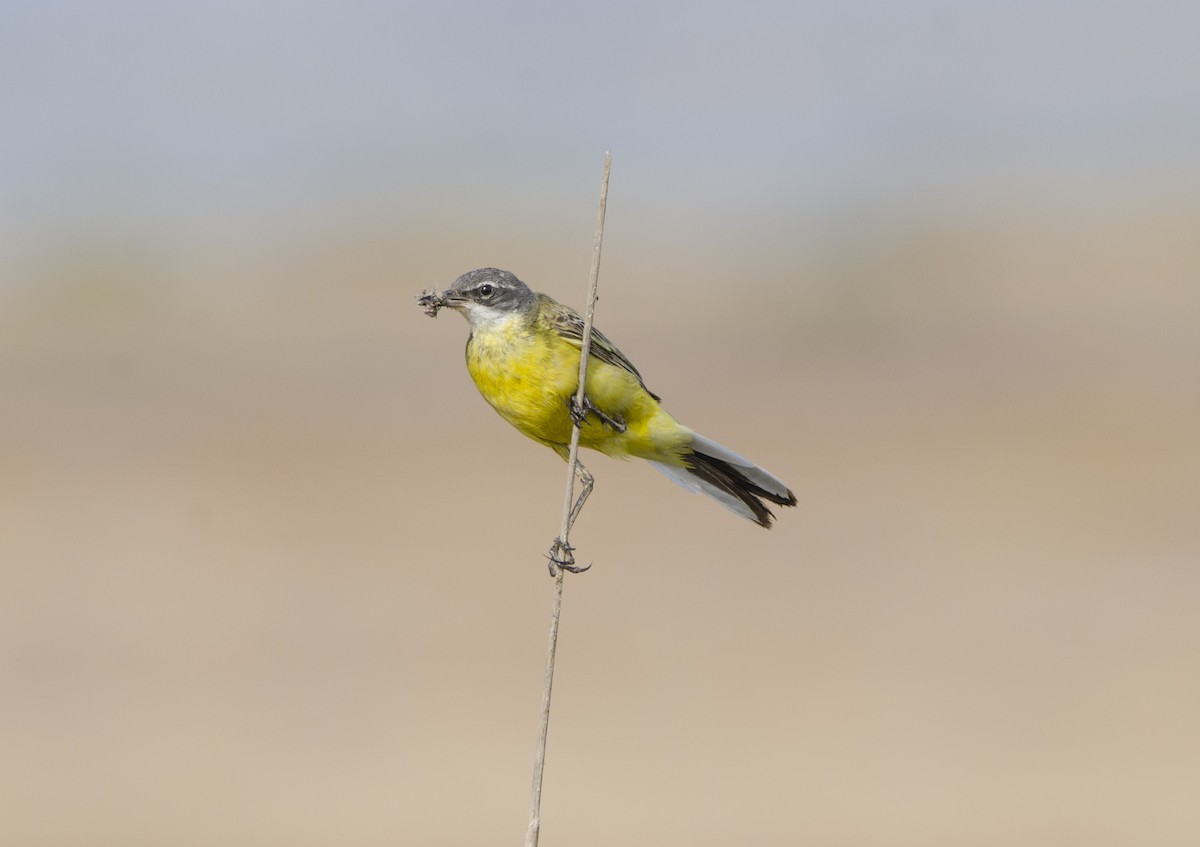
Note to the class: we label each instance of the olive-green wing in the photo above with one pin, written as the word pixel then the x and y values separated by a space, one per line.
pixel 569 325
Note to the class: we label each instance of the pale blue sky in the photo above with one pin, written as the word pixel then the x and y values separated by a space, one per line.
pixel 134 112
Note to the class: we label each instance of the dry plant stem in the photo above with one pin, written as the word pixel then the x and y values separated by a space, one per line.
pixel 570 512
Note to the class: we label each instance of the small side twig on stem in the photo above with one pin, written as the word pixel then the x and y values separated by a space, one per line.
pixel 571 509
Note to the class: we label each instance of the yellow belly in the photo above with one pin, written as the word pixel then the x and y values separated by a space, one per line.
pixel 528 374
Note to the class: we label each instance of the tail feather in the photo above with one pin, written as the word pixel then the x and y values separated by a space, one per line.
pixel 736 483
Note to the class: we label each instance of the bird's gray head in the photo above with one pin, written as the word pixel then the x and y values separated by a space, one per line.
pixel 487 295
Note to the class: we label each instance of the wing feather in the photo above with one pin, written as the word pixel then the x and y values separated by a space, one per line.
pixel 569 325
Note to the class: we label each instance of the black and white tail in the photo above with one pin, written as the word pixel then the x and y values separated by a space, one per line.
pixel 736 483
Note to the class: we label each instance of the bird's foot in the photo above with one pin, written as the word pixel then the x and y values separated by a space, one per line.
pixel 579 415
pixel 562 555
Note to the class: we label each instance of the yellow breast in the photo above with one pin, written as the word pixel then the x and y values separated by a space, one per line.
pixel 523 377
pixel 527 373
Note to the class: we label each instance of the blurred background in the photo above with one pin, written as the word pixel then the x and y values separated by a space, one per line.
pixel 272 573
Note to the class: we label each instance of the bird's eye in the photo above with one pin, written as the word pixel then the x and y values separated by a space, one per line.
pixel 487 290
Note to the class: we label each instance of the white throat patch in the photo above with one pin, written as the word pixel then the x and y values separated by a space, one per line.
pixel 483 317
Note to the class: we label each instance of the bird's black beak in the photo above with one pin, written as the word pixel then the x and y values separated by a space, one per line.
pixel 452 299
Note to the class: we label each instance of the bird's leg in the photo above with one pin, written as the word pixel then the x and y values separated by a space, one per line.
pixel 561 553
pixel 615 422
pixel 578 415
pixel 587 483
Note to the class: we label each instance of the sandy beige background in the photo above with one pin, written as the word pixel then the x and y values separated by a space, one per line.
pixel 271 572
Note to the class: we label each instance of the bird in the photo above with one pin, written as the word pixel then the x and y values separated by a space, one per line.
pixel 523 355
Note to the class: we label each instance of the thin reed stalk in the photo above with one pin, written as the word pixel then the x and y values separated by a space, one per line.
pixel 571 507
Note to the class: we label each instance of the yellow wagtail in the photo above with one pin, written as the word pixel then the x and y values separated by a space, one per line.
pixel 523 353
